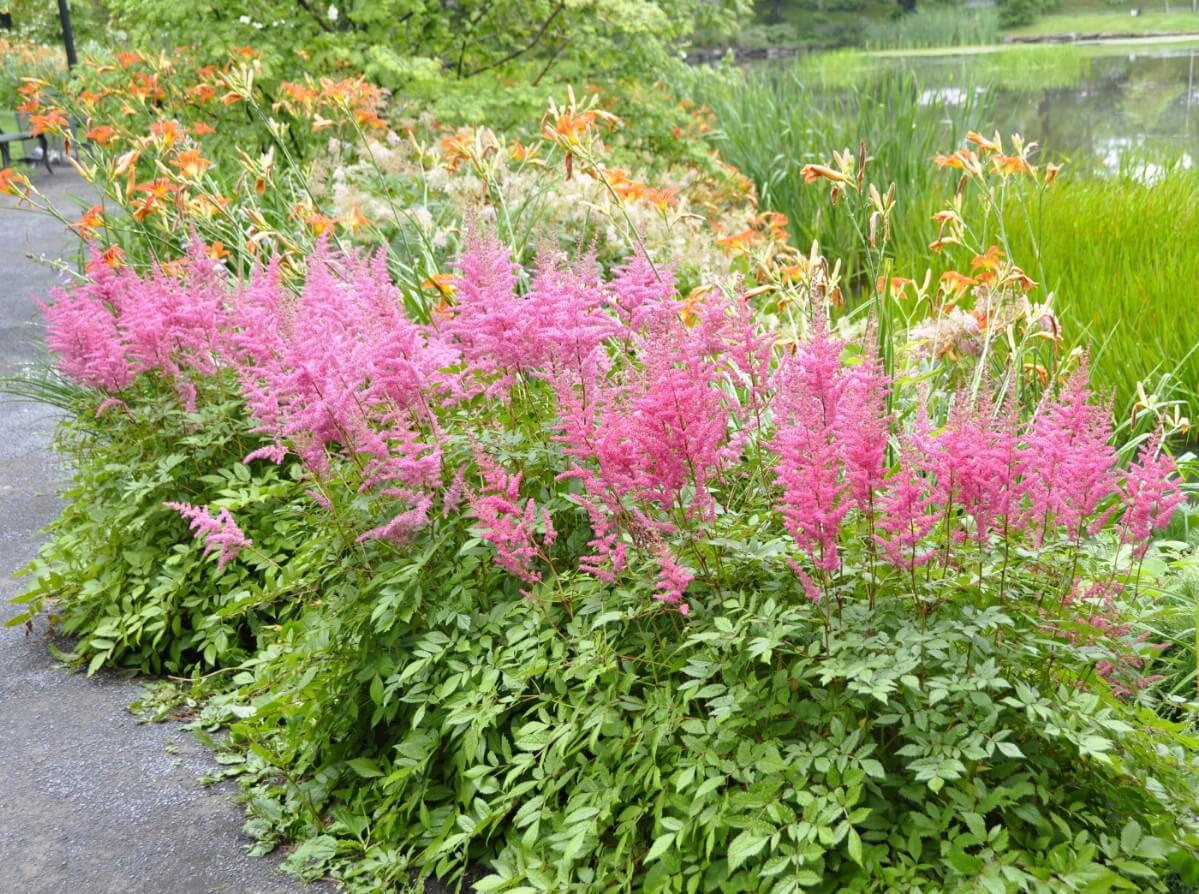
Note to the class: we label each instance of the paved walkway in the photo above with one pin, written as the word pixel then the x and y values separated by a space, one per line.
pixel 91 802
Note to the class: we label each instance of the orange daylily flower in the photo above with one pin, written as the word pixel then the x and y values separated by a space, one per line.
pixel 812 173
pixel 190 163
pixel 442 283
pixel 206 206
pixel 738 241
pixel 202 93
pixel 217 251
pixel 955 282
pixel 518 151
pixel 661 198
pixel 1006 165
pixel 200 129
pixel 53 121
pixel 319 223
pixel 689 307
pixel 1051 172
pixel 175 267
pixel 114 257
pixel 145 86
pixel 91 221
pixel 988 260
pixel 128 59
pixel 898 285
pixel 13 184
pixel 983 143
pixel 158 188
pixel 102 135
pixel 166 131
pixel 355 220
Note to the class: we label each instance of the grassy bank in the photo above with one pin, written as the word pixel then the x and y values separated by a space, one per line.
pixel 1110 22
pixel 1120 255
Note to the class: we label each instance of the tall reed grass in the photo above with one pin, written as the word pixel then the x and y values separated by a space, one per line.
pixel 1120 252
pixel 1122 255
pixel 773 123
pixel 935 27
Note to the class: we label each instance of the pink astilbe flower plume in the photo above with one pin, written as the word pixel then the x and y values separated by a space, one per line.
pixel 673 580
pixel 647 445
pixel 863 424
pixel 1068 463
pixel 1151 494
pixel 220 533
pixel 508 524
pixel 640 296
pixel 979 452
pixel 490 325
pixel 82 330
pixel 810 467
pixel 912 502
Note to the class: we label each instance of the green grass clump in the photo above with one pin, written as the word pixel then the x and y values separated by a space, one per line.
pixel 772 124
pixel 1120 255
pixel 935 27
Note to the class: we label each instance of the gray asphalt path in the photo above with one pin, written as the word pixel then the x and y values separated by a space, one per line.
pixel 91 802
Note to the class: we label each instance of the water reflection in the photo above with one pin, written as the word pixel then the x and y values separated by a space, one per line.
pixel 1107 107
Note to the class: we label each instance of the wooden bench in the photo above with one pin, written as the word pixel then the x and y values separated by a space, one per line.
pixel 21 137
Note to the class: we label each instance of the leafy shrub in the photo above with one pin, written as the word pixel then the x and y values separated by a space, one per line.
pixel 119 568
pixel 595 586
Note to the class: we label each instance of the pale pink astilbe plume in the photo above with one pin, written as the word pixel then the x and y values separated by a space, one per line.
pixel 401 528
pixel 646 445
pixel 743 351
pixel 567 325
pixel 579 405
pixel 506 523
pixel 82 330
pixel 673 580
pixel 640 296
pixel 810 468
pixel 261 316
pixel 1151 494
pixel 863 424
pixel 1068 465
pixel 220 533
pixel 675 417
pixel 118 324
pixel 979 463
pixel 174 322
pixel 911 504
pixel 452 498
pixel 491 325
pixel 339 370
pixel 111 403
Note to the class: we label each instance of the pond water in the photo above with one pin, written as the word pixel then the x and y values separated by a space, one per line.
pixel 1107 104
pixel 1118 105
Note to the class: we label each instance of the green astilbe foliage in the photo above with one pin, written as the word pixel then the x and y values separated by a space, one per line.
pixel 739 751
pixel 121 571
